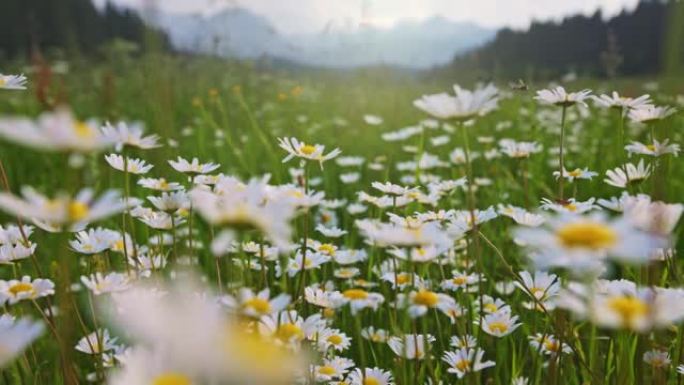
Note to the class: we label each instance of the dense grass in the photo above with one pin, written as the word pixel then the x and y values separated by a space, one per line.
pixel 231 113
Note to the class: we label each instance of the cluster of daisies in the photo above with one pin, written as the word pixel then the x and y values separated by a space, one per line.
pixel 194 276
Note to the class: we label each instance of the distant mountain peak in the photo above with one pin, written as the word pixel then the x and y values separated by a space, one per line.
pixel 238 32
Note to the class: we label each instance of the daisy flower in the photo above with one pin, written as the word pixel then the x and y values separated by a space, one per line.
pixel 463 105
pixel 83 208
pixel 621 102
pixel 254 205
pixel 464 361
pixel 580 243
pixel 419 302
pixel 132 165
pixel 171 202
pixel 542 286
pixel 332 369
pixel 96 342
pixel 13 291
pixel 335 339
pixel 298 149
pixel 325 299
pixel 159 184
pixel 500 324
pixel 577 173
pixel 658 359
pixel 372 334
pixel 463 342
pixel 559 97
pixel 655 149
pixel 650 113
pixel 515 149
pixel 333 232
pixel 257 305
pixel 461 280
pixel 12 82
pixel 299 263
pixel 289 328
pixel 104 284
pixel 392 189
pixel 548 344
pixel 94 241
pixel 628 174
pixel 55 131
pixel 569 206
pixel 360 299
pixel 15 336
pixel 11 253
pixel 411 346
pixel 621 304
pixel 193 167
pixel 130 134
pixel 157 219
pixel 370 376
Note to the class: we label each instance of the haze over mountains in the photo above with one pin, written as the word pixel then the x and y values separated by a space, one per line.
pixel 237 32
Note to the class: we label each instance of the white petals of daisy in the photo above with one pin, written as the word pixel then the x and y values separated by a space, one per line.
pixel 134 166
pixel 12 82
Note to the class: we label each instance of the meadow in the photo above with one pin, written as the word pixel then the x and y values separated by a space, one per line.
pixel 327 231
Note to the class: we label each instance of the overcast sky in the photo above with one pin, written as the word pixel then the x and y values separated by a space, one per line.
pixel 302 16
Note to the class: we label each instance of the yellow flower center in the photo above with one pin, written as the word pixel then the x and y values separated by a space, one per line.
pixel 2 82
pixel 551 345
pixel 491 308
pixel 500 327
pixel 570 207
pixel 463 365
pixel 289 331
pixel 575 173
pixel 589 235
pixel 171 379
pixel 327 370
pixel 403 279
pixel 537 292
pixel 77 211
pixel 82 130
pixel 21 287
pixel 629 308
pixel 651 147
pixel 426 298
pixel 118 245
pixel 327 248
pixel 325 218
pixel 163 184
pixel 307 149
pixel 328 312
pixel 259 305
pixel 371 381
pixel 459 280
pixel 355 294
pixel 335 339
pixel 346 273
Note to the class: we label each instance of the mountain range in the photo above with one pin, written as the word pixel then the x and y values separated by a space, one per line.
pixel 237 32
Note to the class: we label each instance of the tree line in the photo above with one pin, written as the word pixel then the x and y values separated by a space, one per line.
pixel 638 42
pixel 68 27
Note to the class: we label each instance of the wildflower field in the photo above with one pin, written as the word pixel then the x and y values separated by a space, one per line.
pixel 175 221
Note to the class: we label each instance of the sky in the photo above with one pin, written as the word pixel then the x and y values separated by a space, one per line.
pixel 310 16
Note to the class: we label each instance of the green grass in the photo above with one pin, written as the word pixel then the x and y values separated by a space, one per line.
pixel 251 107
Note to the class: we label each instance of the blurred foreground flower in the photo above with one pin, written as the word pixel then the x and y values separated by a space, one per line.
pixel 15 335
pixel 55 131
pixel 183 336
pixel 12 82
